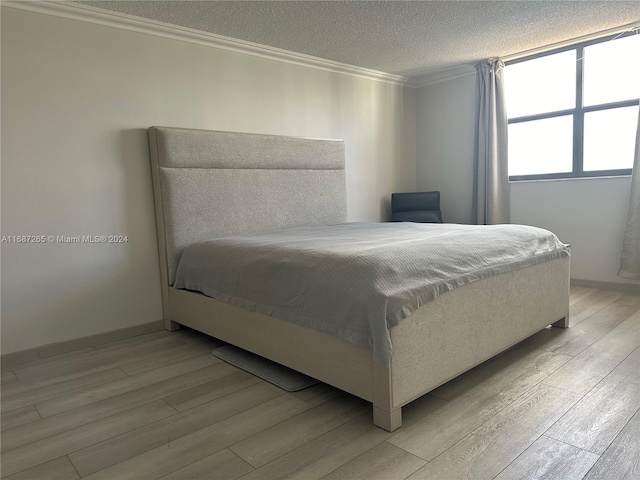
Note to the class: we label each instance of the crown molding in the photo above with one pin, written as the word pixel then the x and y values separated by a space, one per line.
pixel 459 71
pixel 572 41
pixel 443 75
pixel 98 16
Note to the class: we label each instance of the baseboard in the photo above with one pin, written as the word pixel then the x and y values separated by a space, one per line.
pixel 22 356
pixel 633 288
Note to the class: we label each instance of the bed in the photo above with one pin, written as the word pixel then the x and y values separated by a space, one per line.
pixel 210 185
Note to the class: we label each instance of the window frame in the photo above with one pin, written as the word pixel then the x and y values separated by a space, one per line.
pixel 578 113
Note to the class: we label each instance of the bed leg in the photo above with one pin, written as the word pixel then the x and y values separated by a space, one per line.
pixel 390 421
pixel 385 415
pixel 171 325
pixel 562 323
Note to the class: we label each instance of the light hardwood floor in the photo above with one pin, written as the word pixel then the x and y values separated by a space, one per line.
pixel 562 404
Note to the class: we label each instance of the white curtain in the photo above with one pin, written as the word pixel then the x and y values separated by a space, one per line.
pixel 491 176
pixel 630 257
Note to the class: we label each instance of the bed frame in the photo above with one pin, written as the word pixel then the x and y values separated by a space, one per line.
pixel 209 184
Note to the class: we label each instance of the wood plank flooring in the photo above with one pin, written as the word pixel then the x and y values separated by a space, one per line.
pixel 562 404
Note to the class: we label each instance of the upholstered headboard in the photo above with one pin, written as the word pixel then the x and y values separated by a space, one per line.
pixel 209 184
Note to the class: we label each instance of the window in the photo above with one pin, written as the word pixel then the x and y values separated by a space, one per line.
pixel 573 111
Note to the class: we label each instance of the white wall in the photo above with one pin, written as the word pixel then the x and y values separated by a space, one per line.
pixel 76 101
pixel 445 143
pixel 587 213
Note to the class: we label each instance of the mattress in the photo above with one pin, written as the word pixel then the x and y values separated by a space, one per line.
pixel 358 280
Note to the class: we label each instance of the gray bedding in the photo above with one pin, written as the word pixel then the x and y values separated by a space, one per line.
pixel 358 280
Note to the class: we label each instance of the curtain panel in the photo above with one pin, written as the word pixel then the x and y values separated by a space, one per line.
pixel 491 175
pixel 630 256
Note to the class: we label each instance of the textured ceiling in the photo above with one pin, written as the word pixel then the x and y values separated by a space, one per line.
pixel 410 38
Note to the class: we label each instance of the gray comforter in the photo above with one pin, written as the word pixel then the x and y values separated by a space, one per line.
pixel 358 280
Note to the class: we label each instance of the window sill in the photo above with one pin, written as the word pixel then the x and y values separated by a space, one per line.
pixel 569 179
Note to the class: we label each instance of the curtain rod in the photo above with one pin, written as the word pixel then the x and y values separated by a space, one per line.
pixel 592 36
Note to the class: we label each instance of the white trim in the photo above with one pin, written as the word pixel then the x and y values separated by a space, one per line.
pixel 90 14
pixel 85 13
pixel 443 75
pixel 565 43
pixel 632 287
pixel 51 349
